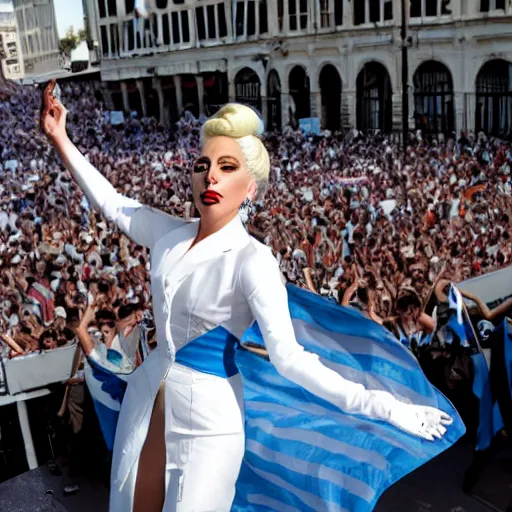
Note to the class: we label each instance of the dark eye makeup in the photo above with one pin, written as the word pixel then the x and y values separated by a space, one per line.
pixel 202 164
pixel 228 164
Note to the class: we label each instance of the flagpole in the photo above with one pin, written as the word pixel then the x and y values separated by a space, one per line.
pixel 405 78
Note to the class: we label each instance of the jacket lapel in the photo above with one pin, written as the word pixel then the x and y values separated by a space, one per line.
pixel 230 237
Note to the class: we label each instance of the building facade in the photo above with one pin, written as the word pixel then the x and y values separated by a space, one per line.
pixel 37 31
pixel 12 62
pixel 339 60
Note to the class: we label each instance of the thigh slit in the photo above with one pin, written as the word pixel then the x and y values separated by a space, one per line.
pixel 150 483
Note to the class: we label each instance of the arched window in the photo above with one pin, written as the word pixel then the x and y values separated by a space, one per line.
pixel 330 91
pixel 215 91
pixel 298 85
pixel 374 98
pixel 248 87
pixel 494 98
pixel 433 98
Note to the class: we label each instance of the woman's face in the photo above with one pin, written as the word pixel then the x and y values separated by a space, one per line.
pixel 109 333
pixel 220 179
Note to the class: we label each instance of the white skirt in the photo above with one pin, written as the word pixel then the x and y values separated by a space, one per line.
pixel 204 435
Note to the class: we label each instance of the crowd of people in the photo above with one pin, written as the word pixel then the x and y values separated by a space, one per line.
pixel 347 215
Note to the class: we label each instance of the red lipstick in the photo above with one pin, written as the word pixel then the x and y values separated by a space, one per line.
pixel 209 197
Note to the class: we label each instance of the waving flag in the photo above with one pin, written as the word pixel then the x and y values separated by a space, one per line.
pixel 302 453
pixel 457 322
pixel 490 420
pixel 107 390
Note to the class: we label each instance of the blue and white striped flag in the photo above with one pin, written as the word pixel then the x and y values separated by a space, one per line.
pixel 107 391
pixel 302 453
pixel 457 321
pixel 490 420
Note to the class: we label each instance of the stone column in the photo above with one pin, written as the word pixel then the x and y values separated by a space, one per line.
pixel 472 8
pixel 92 18
pixel 313 17
pixel 316 105
pixel 140 88
pixel 286 18
pixel 120 8
pixel 264 106
pixel 397 13
pixel 179 94
pixel 273 18
pixel 160 29
pixel 470 112
pixel 231 80
pixel 124 92
pixel 348 15
pixel 285 104
pixel 229 20
pixel 107 98
pixel 412 108
pixel 456 7
pixel 157 86
pixel 348 118
pixel 200 93
pixel 460 113
pixel 397 112
pixel 192 27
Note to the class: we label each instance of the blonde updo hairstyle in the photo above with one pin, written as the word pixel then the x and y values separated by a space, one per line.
pixel 244 125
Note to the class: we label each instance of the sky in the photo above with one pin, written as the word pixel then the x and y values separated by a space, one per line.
pixel 68 12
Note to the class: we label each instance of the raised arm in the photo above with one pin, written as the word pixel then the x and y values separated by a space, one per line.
pixel 82 331
pixel 309 280
pixel 95 352
pixel 12 344
pixel 488 314
pixel 142 224
pixel 268 301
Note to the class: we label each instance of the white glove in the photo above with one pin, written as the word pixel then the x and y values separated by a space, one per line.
pixel 419 420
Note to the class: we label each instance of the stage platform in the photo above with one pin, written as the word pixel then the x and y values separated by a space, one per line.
pixel 436 487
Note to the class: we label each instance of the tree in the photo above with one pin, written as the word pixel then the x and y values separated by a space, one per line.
pixel 71 40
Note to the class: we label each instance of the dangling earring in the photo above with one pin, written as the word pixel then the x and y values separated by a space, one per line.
pixel 246 210
pixel 245 204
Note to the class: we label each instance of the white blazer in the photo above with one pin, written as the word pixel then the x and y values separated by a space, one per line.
pixel 227 280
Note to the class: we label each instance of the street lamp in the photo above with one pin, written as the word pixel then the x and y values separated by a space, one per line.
pixel 405 75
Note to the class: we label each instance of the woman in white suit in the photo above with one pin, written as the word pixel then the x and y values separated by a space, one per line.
pixel 180 437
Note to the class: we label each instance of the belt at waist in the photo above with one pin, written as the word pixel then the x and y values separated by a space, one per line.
pixel 213 353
